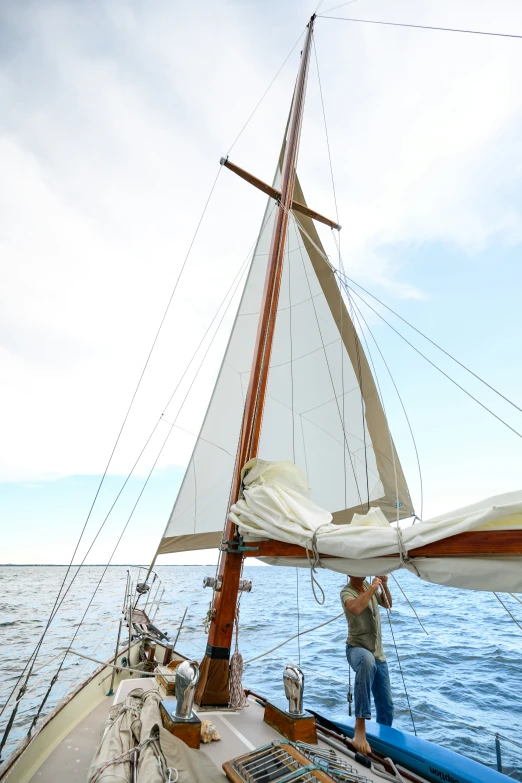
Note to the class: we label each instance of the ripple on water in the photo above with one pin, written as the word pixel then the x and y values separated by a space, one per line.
pixel 463 680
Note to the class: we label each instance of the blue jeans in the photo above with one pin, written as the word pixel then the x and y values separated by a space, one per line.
pixel 370 675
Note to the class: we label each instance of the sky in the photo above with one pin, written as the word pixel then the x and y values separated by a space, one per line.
pixel 113 119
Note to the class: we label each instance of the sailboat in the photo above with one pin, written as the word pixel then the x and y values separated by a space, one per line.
pixel 295 412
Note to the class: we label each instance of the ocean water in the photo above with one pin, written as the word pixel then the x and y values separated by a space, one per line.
pixel 463 679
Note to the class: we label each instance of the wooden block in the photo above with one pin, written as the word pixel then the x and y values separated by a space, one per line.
pixel 187 730
pixel 293 727
pixel 166 675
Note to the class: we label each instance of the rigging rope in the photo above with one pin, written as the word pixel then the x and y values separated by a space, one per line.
pixel 258 104
pixel 421 488
pixel 237 281
pixel 313 562
pixel 52 614
pixel 309 630
pixel 421 26
pixel 363 417
pixel 329 10
pixel 237 698
pixel 349 298
pixel 296 223
pixel 34 654
pixel 298 617
pixel 326 130
pixel 291 347
pixel 388 612
pixel 507 610
pixel 455 383
pixel 410 603
pixel 137 501
pixel 439 347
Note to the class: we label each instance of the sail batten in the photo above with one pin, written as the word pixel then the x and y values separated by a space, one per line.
pixel 322 410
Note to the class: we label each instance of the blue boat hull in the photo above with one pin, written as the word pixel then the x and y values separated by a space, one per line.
pixel 425 758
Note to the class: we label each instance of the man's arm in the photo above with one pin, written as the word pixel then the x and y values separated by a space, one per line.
pixel 386 591
pixel 357 605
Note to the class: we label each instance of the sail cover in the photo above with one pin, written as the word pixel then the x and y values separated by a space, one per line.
pixel 322 410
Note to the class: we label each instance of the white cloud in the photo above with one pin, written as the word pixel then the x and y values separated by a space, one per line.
pixel 114 118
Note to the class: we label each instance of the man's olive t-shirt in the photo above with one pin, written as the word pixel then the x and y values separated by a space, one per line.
pixel 364 629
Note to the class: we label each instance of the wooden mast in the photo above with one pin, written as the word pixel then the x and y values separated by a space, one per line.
pixel 213 688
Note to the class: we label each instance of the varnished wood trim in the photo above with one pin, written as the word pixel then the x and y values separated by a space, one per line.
pixel 474 544
pixel 276 194
pixel 480 543
pixel 229 568
pixel 273 548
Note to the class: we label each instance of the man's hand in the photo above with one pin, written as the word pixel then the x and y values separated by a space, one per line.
pixel 386 595
pixel 376 583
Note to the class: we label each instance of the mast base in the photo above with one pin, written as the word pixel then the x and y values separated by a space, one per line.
pixel 214 679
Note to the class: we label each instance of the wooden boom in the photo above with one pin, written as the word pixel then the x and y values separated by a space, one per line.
pixel 480 543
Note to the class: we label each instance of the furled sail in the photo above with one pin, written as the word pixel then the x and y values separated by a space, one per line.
pixel 322 409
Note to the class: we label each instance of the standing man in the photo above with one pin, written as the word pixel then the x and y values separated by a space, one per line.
pixel 361 601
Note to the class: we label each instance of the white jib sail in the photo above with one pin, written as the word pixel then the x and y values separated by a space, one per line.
pixel 322 411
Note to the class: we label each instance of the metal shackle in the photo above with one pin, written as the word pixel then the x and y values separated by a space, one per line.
pixel 293 679
pixel 187 676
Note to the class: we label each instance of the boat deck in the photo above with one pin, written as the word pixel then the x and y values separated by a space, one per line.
pixel 72 757
pixel 240 730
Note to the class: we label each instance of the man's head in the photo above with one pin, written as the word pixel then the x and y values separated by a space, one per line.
pixel 357 579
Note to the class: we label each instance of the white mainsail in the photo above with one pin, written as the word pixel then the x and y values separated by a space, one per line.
pixel 322 409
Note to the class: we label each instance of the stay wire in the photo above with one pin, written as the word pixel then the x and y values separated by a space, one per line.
pixel 62 662
pixel 326 357
pixel 249 257
pixel 298 617
pixel 136 504
pixel 381 397
pixel 421 26
pixel 438 368
pixel 507 610
pixel 363 416
pixel 258 104
pixel 56 608
pixel 52 614
pixel 421 487
pixel 289 263
pixel 104 474
pixel 60 598
pixel 326 130
pixel 340 260
pixel 329 10
pixel 410 603
pixel 439 347
pixel 400 669
pixel 51 617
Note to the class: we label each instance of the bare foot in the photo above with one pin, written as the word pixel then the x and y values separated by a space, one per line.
pixel 361 744
pixel 359 738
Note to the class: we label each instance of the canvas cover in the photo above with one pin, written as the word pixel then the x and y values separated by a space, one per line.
pixel 276 504
pixel 167 752
pixel 322 410
pixel 120 735
pixel 137 721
